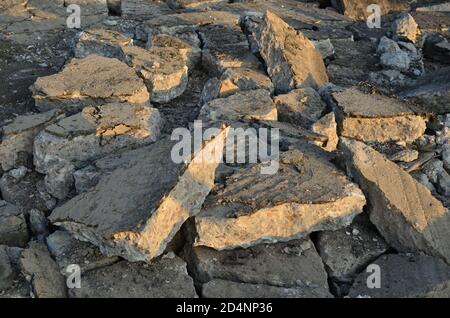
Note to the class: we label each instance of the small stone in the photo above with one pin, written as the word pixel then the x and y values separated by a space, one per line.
pixel 38 223
pixel 406 155
pixel 18 173
pixel 405 28
pixel 399 61
pixel 85 178
pixel 327 127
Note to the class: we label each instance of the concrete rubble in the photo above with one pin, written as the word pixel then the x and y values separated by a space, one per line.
pixel 223 149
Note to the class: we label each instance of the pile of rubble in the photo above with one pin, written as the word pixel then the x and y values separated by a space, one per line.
pixel 88 176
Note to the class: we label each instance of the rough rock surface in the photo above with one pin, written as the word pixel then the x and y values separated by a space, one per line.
pixel 165 278
pixel 242 214
pixel 255 104
pixel 294 265
pixel 403 210
pixel 347 251
pixel 18 136
pixel 406 276
pixel 13 227
pixel 377 118
pixel 43 273
pixel 94 132
pixel 163 68
pixel 302 107
pixel 104 42
pixel 432 92
pixel 137 209
pixel 94 80
pixel 281 47
pixel 357 9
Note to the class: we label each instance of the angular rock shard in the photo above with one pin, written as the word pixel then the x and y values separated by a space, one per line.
pixel 403 210
pixel 377 118
pixel 305 195
pixel 292 60
pixel 136 209
pixel 406 276
pixel 94 80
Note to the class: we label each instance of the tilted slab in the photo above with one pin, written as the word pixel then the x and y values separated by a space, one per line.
pixel 137 209
pixel 404 211
pixel 305 195
pixel 94 80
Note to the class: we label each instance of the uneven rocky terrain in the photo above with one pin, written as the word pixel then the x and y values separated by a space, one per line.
pixel 88 179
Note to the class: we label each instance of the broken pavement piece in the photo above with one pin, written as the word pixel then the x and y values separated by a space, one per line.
pixel 405 276
pixel 403 210
pixel 226 47
pixel 190 53
pixel 377 118
pixel 94 132
pixel 291 58
pixel 301 107
pixel 347 251
pixel 247 105
pixel 294 264
pixel 136 209
pixel 66 250
pixel 405 28
pixel 18 136
pixel 163 278
pixel 304 196
pixel 94 80
pixel 163 68
pixel 102 42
